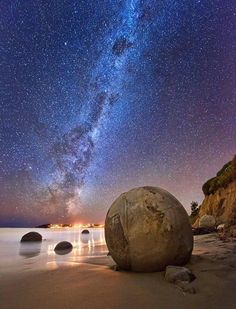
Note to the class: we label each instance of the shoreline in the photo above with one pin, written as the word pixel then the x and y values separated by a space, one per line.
pixel 96 285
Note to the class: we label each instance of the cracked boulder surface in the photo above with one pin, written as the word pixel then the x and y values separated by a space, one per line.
pixel 147 229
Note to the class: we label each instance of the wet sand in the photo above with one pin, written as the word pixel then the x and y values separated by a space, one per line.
pixel 93 284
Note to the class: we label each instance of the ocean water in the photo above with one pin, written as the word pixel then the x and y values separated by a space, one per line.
pixel 16 256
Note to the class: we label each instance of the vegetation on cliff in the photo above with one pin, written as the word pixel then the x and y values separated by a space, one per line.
pixel 225 176
pixel 194 212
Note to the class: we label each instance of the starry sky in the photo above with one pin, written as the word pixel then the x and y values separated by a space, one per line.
pixel 98 97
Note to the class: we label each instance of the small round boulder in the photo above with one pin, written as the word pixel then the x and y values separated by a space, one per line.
pixel 63 247
pixel 85 232
pixel 147 229
pixel 31 236
pixel 207 221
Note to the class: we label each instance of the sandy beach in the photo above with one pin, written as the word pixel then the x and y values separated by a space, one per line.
pixel 117 154
pixel 93 284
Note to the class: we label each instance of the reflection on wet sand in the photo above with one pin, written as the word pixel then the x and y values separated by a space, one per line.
pixel 84 238
pixel 85 247
pixel 29 250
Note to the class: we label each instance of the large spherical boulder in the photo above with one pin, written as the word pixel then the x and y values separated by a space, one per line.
pixel 63 247
pixel 147 229
pixel 207 221
pixel 31 236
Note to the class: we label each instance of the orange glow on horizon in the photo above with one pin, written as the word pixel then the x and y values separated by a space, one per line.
pixel 76 225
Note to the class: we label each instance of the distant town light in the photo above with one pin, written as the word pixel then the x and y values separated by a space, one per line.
pixel 75 225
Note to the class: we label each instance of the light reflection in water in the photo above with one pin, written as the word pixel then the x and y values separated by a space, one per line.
pixel 29 250
pixel 15 256
pixel 85 246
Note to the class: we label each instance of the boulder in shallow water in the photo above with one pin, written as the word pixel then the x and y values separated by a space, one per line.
pixel 207 221
pixel 63 247
pixel 147 229
pixel 31 236
pixel 85 232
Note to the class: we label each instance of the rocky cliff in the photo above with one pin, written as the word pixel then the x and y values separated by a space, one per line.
pixel 221 204
pixel 220 195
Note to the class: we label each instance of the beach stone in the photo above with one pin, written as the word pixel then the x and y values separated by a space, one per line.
pixel 177 274
pixel 85 232
pixel 220 227
pixel 231 231
pixel 207 221
pixel 31 236
pixel 147 229
pixel 63 247
pixel 187 287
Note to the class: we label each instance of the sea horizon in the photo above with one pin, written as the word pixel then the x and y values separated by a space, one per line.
pixel 16 256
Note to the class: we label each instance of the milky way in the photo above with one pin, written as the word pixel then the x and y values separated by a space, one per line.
pixel 98 98
pixel 74 152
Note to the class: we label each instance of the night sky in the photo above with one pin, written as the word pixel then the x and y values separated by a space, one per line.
pixel 98 97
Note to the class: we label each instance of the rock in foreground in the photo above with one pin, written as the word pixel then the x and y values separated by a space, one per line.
pixel 147 229
pixel 182 277
pixel 175 274
pixel 31 236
